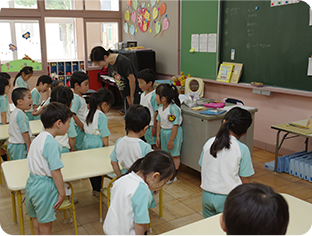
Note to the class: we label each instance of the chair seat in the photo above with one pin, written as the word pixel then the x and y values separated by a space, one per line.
pixel 65 204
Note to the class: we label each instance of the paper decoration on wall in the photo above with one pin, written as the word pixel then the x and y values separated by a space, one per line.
pixel 129 3
pixel 126 27
pixel 155 13
pixel 144 18
pixel 26 35
pixel 153 2
pixel 132 29
pixel 163 9
pixel 12 47
pixel 127 15
pixel 165 25
pixel 133 16
pixel 275 3
pixel 17 65
pixel 157 28
pixel 135 4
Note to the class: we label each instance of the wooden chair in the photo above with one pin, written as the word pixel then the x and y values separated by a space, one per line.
pixel 5 148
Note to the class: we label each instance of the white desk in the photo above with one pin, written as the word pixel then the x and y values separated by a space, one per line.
pixel 35 126
pixel 300 221
pixel 77 165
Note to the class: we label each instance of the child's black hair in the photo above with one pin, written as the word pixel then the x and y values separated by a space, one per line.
pixel 18 93
pixel 63 95
pixel 3 82
pixel 44 79
pixel 98 53
pixel 147 75
pixel 78 77
pixel 155 161
pixel 137 118
pixel 56 84
pixel 96 99
pixel 254 209
pixel 236 120
pixel 27 70
pixel 170 92
pixel 5 75
pixel 53 112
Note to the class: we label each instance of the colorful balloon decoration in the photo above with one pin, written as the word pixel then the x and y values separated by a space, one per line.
pixel 155 13
pixel 126 27
pixel 144 18
pixel 165 25
pixel 129 3
pixel 135 4
pixel 163 9
pixel 157 28
pixel 153 2
pixel 132 29
pixel 133 16
pixel 127 15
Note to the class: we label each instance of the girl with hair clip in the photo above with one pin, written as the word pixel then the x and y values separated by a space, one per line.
pixel 225 162
pixel 96 127
pixel 131 194
pixel 169 131
pixel 21 79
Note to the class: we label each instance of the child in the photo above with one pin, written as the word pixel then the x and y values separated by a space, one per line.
pixel 45 188
pixel 254 209
pixel 146 80
pixel 131 194
pixel 19 131
pixel 225 162
pixel 22 77
pixel 54 84
pixel 79 82
pixel 5 75
pixel 43 84
pixel 130 148
pixel 65 96
pixel 96 128
pixel 4 102
pixel 169 130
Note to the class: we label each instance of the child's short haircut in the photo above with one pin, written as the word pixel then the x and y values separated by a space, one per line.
pixel 78 77
pixel 56 83
pixel 44 79
pixel 62 94
pixel 3 82
pixel 137 118
pixel 18 93
pixel 53 112
pixel 5 75
pixel 252 209
pixel 147 75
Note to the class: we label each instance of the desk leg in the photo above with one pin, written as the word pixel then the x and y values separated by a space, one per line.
pixel 13 207
pixel 0 171
pixel 161 205
pixel 20 211
pixel 276 150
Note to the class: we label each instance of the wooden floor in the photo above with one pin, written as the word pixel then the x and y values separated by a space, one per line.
pixel 182 199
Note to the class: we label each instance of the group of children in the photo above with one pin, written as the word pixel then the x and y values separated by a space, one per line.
pixel 225 162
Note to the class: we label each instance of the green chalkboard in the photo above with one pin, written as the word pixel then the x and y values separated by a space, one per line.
pixel 273 43
pixel 198 17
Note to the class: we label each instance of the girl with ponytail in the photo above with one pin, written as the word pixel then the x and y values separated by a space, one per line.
pixel 96 127
pixel 169 131
pixel 225 162
pixel 21 79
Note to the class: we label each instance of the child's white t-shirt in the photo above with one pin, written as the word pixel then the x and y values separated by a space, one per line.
pixel 127 150
pixel 20 83
pixel 44 155
pixel 79 107
pixel 149 101
pixel 99 125
pixel 170 116
pixel 4 107
pixel 19 123
pixel 71 133
pixel 221 175
pixel 130 199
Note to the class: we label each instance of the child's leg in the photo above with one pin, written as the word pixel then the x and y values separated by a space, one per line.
pixel 35 226
pixel 177 161
pixel 45 228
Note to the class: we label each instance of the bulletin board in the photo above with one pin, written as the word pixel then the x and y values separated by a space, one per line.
pixel 198 17
pixel 273 43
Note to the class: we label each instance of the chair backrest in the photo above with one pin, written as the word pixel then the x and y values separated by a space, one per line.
pixel 234 101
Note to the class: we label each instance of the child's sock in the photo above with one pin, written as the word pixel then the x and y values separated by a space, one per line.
pixel 176 172
pixel 4 157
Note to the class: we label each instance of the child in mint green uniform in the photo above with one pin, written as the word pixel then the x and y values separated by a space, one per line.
pixel 79 82
pixel 21 79
pixel 96 127
pixel 45 190
pixel 43 84
pixel 4 102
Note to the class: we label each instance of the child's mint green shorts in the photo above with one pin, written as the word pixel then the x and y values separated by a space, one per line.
pixel 150 139
pixel 17 151
pixel 40 197
pixel 91 141
pixel 212 203
pixel 164 138
pixel 79 138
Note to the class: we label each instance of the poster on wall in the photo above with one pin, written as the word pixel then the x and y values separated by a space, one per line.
pixel 146 17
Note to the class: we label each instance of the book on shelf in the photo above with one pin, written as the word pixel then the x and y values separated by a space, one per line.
pixel 225 72
pixel 236 71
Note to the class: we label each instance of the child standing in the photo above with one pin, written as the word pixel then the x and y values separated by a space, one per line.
pixel 43 84
pixel 5 75
pixel 146 80
pixel 169 130
pixel 131 194
pixel 225 162
pixel 79 82
pixel 130 148
pixel 19 131
pixel 4 102
pixel 96 127
pixel 54 84
pixel 254 209
pixel 45 188
pixel 65 96
pixel 21 79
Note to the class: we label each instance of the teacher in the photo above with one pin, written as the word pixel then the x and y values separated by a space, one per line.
pixel 123 72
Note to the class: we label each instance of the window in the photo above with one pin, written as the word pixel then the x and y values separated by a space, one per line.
pixel 30 4
pixel 63 4
pixel 103 5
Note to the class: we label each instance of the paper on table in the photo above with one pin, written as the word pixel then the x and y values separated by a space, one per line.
pixel 310 67
pixel 212 43
pixel 194 43
pixel 227 108
pixel 203 39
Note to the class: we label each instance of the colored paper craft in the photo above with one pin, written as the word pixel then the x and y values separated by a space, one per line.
pixel 155 13
pixel 126 27
pixel 26 35
pixel 133 16
pixel 144 18
pixel 153 2
pixel 129 3
pixel 127 15
pixel 132 29
pixel 135 4
pixel 157 28
pixel 163 8
pixel 225 73
pixel 165 25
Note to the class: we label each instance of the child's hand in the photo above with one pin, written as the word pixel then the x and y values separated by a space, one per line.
pixel 170 144
pixel 158 142
pixel 154 130
pixel 59 202
pixel 81 127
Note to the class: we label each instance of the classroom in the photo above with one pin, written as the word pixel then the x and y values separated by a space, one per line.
pixel 271 39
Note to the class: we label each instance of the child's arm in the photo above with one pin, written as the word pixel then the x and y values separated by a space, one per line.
pixel 26 138
pixel 3 117
pixel 158 134
pixel 140 229
pixel 78 122
pixel 245 180
pixel 58 180
pixel 105 141
pixel 116 168
pixel 154 129
pixel 71 142
pixel 132 86
pixel 174 132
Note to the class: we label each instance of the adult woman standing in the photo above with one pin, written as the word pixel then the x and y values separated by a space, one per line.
pixel 122 70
